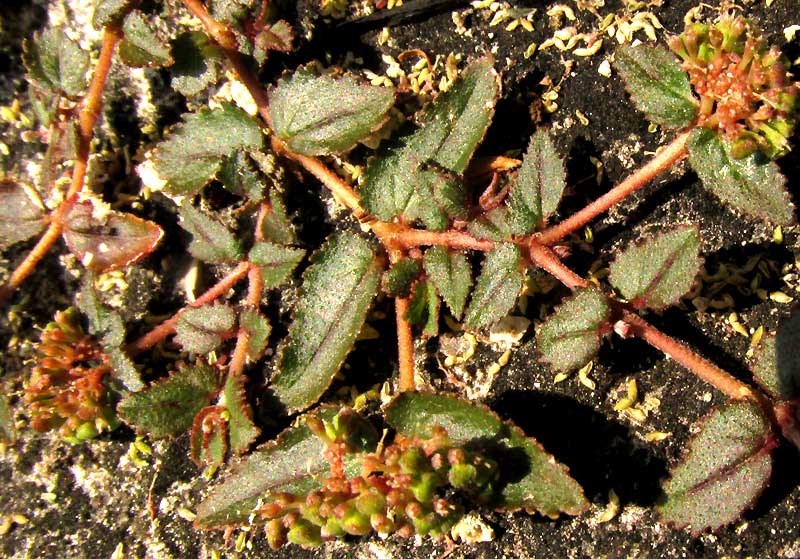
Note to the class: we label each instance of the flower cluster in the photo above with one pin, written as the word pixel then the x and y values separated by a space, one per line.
pixel 406 488
pixel 746 92
pixel 67 390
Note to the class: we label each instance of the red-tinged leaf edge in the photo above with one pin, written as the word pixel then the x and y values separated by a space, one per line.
pixel 209 428
pixel 242 432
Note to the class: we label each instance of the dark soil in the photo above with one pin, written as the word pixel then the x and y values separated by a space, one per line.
pixel 103 499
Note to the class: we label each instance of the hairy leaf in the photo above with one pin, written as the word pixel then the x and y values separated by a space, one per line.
pixel 201 329
pixel 56 63
pixel 110 11
pixel 276 262
pixel 451 273
pixel 775 361
pixel 536 482
pixel 258 329
pixel 294 463
pixel 450 130
pixel 193 153
pixel 276 226
pixel 241 429
pixel 107 240
pixel 142 46
pixel 658 271
pixel 571 336
pixel 239 174
pixel 211 240
pixel 727 467
pixel 336 294
pixel 752 184
pixel 497 288
pixel 168 407
pixel 278 36
pixel 22 214
pixel 492 226
pixel 540 183
pixel 209 438
pixel 397 281
pixel 423 309
pixel 320 115
pixel 197 63
pixel 657 84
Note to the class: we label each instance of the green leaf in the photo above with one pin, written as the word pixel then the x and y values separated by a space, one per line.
pixel 278 36
pixel 657 84
pixel 336 294
pixel 209 437
pixel 397 281
pixel 110 11
pixel 197 63
pixel 258 329
pixel 276 226
pixel 168 407
pixel 423 309
pixel 571 336
pixel 194 152
pixel 201 329
pixel 752 184
pixel 276 262
pixel 22 214
pixel 450 130
pixel 142 46
pixel 497 288
pixel 493 226
pixel 451 273
pixel 321 115
pixel 540 183
pixel 540 485
pixel 241 429
pixel 294 463
pixel 106 240
pixel 727 467
pixel 658 271
pixel 775 362
pixel 56 63
pixel 211 240
pixel 239 174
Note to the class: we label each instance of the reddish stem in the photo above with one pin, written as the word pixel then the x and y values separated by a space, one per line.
pixel 663 160
pixel 405 346
pixel 168 326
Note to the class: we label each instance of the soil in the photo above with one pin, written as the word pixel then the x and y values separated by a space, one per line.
pixel 94 501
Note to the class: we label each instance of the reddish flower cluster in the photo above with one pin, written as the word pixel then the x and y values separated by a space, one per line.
pixel 746 92
pixel 67 390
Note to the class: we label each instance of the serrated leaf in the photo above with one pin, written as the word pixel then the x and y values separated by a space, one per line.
pixel 450 130
pixel 492 226
pixel 194 152
pixel 168 407
pixel 241 429
pixel 209 438
pixel 142 47
pixel 107 240
pixel 239 174
pixel 727 467
pixel 775 361
pixel 211 240
pixel 658 271
pixel 657 84
pixel 539 185
pixel 278 36
pixel 110 11
pixel 56 63
pixel 336 294
pixel 542 484
pixel 276 262
pixel 258 329
pixel 752 184
pixel 451 273
pixel 21 213
pixel 276 226
pixel 498 285
pixel 397 281
pixel 423 309
pixel 197 63
pixel 571 336
pixel 321 115
pixel 294 463
pixel 201 329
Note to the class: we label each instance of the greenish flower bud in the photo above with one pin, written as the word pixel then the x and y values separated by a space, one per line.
pixel 381 523
pixel 87 430
pixel 424 488
pixel 370 503
pixel 356 523
pixel 305 534
pixel 332 529
pixel 276 533
pixel 413 460
pixel 462 475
